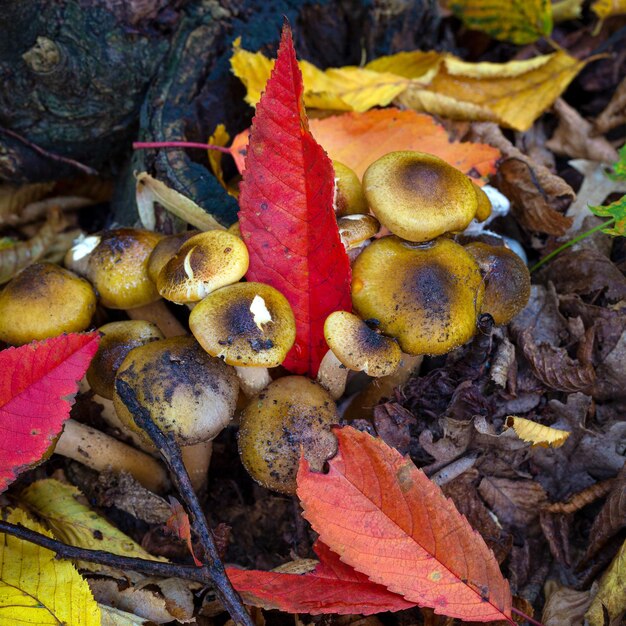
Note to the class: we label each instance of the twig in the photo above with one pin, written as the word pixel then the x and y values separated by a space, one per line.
pixel 142 145
pixel 170 451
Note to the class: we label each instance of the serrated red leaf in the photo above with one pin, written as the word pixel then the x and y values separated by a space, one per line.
pixel 179 525
pixel 38 383
pixel 286 213
pixel 332 587
pixel 386 519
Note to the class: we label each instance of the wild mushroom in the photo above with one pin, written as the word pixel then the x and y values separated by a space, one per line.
pixel 418 196
pixel 204 263
pixel 356 231
pixel 249 325
pixel 507 281
pixel 165 250
pixel 188 393
pixel 42 301
pixel 349 197
pixel 427 296
pixel 292 416
pixel 483 207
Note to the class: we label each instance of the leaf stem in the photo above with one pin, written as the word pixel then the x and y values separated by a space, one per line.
pixel 142 145
pixel 569 244
pixel 530 620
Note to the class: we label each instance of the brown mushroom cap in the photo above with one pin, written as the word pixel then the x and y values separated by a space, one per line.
pixel 360 348
pixel 427 296
pixel 165 250
pixel 246 324
pixel 349 196
pixel 507 281
pixel 44 300
pixel 204 263
pixel 483 208
pixel 118 268
pixel 187 392
pixel 118 339
pixel 419 196
pixel 291 414
pixel 356 229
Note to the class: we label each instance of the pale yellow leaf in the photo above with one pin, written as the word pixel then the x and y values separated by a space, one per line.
pixel 38 589
pixel 564 10
pixel 537 434
pixel 116 617
pixel 75 523
pixel 608 8
pixel 220 137
pixel 611 596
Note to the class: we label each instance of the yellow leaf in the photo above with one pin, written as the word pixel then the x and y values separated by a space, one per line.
pixel 74 523
pixel 564 10
pixel 537 434
pixel 252 69
pixel 611 596
pixel 220 137
pixel 519 21
pixel 513 94
pixel 116 617
pixel 608 8
pixel 38 589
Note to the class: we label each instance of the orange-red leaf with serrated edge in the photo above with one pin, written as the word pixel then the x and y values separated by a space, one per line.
pixel 332 587
pixel 286 213
pixel 37 386
pixel 386 519
pixel 179 525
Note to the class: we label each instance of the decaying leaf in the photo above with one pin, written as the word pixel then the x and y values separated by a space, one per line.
pixel 563 10
pixel 13 198
pixel 519 21
pixel 582 498
pixel 36 587
pixel 116 617
pixel 537 434
pixel 387 520
pixel 220 137
pixel 615 112
pixel 179 525
pixel 608 8
pixel 564 605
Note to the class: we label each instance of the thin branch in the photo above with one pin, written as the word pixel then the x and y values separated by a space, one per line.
pixel 170 451
pixel 142 145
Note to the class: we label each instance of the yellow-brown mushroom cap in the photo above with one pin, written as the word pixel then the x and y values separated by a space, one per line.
pixel 349 196
pixel 291 415
pixel 246 324
pixel 204 263
pixel 507 280
pixel 118 339
pixel 360 348
pixel 165 250
pixel 419 196
pixel 118 268
pixel 188 393
pixel 44 300
pixel 356 229
pixel 483 208
pixel 427 296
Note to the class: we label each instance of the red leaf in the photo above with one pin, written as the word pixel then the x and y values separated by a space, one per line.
pixel 37 387
pixel 286 213
pixel 332 587
pixel 387 520
pixel 178 524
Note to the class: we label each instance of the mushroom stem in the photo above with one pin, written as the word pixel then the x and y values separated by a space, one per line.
pixel 196 460
pixel 332 375
pixel 158 313
pixel 253 379
pixel 101 452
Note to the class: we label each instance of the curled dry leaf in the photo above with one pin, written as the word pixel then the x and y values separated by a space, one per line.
pixel 564 605
pixel 116 617
pixel 537 434
pixel 538 197
pixel 582 498
pixel 614 114
pixel 13 198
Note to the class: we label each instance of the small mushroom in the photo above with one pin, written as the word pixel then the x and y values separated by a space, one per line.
pixel 349 196
pixel 427 296
pixel 292 416
pixel 419 196
pixel 249 325
pixel 356 231
pixel 44 300
pixel 165 250
pixel 483 208
pixel 204 263
pixel 507 281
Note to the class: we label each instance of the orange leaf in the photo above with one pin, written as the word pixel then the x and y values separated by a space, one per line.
pixel 387 520
pixel 178 524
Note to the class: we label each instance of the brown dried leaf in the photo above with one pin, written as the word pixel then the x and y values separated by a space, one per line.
pixel 614 114
pixel 564 605
pixel 393 422
pixel 582 498
pixel 555 529
pixel 574 138
pixel 538 197
pixel 611 382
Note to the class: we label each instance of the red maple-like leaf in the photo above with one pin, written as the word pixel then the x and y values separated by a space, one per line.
pixel 332 587
pixel 386 519
pixel 37 387
pixel 286 213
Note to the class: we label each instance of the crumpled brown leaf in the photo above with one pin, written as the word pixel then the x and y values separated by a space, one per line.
pixel 538 197
pixel 564 605
pixel 393 422
pixel 574 138
pixel 614 114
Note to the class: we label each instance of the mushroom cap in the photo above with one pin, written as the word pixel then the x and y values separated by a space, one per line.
pixel 427 296
pixel 349 196
pixel 165 250
pixel 118 268
pixel 44 300
pixel 355 229
pixel 360 348
pixel 204 263
pixel 118 339
pixel 483 208
pixel 507 281
pixel 188 393
pixel 291 415
pixel 246 324
pixel 419 196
